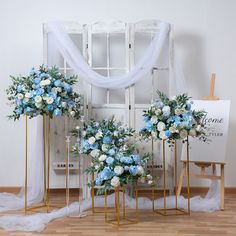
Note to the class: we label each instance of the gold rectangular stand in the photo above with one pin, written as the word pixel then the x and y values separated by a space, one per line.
pixel 176 210
pixel 120 217
pixel 46 175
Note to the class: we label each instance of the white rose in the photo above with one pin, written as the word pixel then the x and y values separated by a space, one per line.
pixel 173 129
pixel 193 133
pixel 91 140
pixel 177 111
pixel 166 110
pixel 72 113
pixel 45 97
pixel 95 153
pixel 183 134
pixel 84 133
pixel 126 168
pixel 47 81
pixel 63 104
pixel 49 100
pixel 54 90
pixel 27 95
pixel 198 129
pixel 105 147
pixel 162 135
pixel 115 181
pixel 42 83
pixel 161 126
pixel 150 182
pixel 38 105
pixel 115 133
pixel 96 167
pixel 118 170
pixel 158 111
pixel 38 99
pixel 140 170
pixel 149 177
pixel 20 96
pixel 102 157
pixel 98 135
pixel 154 134
pixel 154 119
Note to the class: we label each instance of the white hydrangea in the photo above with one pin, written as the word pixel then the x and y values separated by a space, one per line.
pixel 183 134
pixel 154 119
pixel 95 153
pixel 84 133
pixel 98 135
pixel 158 111
pixel 118 170
pixel 38 105
pixel 91 140
pixel 162 135
pixel 161 126
pixel 38 99
pixel 72 113
pixel 20 96
pixel 140 170
pixel 166 110
pixel 115 181
pixel 173 129
pixel 63 104
pixel 192 132
pixel 54 90
pixel 149 177
pixel 115 133
pixel 102 157
pixel 105 147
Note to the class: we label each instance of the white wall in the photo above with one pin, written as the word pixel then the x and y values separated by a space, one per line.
pixel 205 33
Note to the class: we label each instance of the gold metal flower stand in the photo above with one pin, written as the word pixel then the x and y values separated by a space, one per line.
pixel 176 210
pixel 118 215
pixel 46 168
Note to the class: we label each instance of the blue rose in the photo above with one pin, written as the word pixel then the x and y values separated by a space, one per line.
pixel 126 159
pixel 57 83
pixel 19 111
pixel 25 101
pixel 86 145
pixel 112 152
pixel 57 112
pixel 18 102
pixel 40 91
pixel 50 107
pixel 133 170
pixel 28 110
pixel 42 75
pixel 67 87
pixel 168 133
pixel 58 100
pixel 136 159
pixel 94 146
pixel 19 88
pixel 106 139
pixel 98 181
pixel 110 160
pixel 37 80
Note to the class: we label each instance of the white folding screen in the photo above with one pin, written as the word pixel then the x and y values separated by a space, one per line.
pixel 112 49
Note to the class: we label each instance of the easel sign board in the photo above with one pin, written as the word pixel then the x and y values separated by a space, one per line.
pixel 217 123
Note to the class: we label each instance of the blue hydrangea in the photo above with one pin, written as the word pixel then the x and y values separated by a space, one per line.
pixel 98 181
pixel 168 133
pixel 149 126
pixel 86 145
pixel 67 87
pixel 19 111
pixel 57 112
pixel 106 139
pixel 106 173
pixel 37 80
pixel 133 170
pixel 94 146
pixel 57 83
pixel 50 107
pixel 126 159
pixel 112 152
pixel 136 159
pixel 19 88
pixel 110 160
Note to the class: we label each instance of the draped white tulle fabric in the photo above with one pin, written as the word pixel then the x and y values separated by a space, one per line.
pixel 73 56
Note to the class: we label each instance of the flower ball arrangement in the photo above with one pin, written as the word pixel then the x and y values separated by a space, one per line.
pixel 113 158
pixel 172 119
pixel 44 91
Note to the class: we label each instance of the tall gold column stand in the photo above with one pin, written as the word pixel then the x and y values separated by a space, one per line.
pixel 174 210
pixel 119 212
pixel 67 173
pixel 46 166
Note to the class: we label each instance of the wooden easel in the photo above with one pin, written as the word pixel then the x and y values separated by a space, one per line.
pixel 204 165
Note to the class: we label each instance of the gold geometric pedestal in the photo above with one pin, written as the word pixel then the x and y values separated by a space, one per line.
pixel 176 210
pixel 46 168
pixel 119 212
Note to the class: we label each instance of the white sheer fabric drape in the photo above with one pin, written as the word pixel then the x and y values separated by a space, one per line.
pixel 74 58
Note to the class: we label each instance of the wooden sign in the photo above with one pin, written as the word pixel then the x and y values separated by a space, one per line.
pixel 217 122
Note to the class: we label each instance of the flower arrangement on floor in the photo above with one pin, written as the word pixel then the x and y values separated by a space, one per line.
pixel 172 119
pixel 44 91
pixel 113 155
